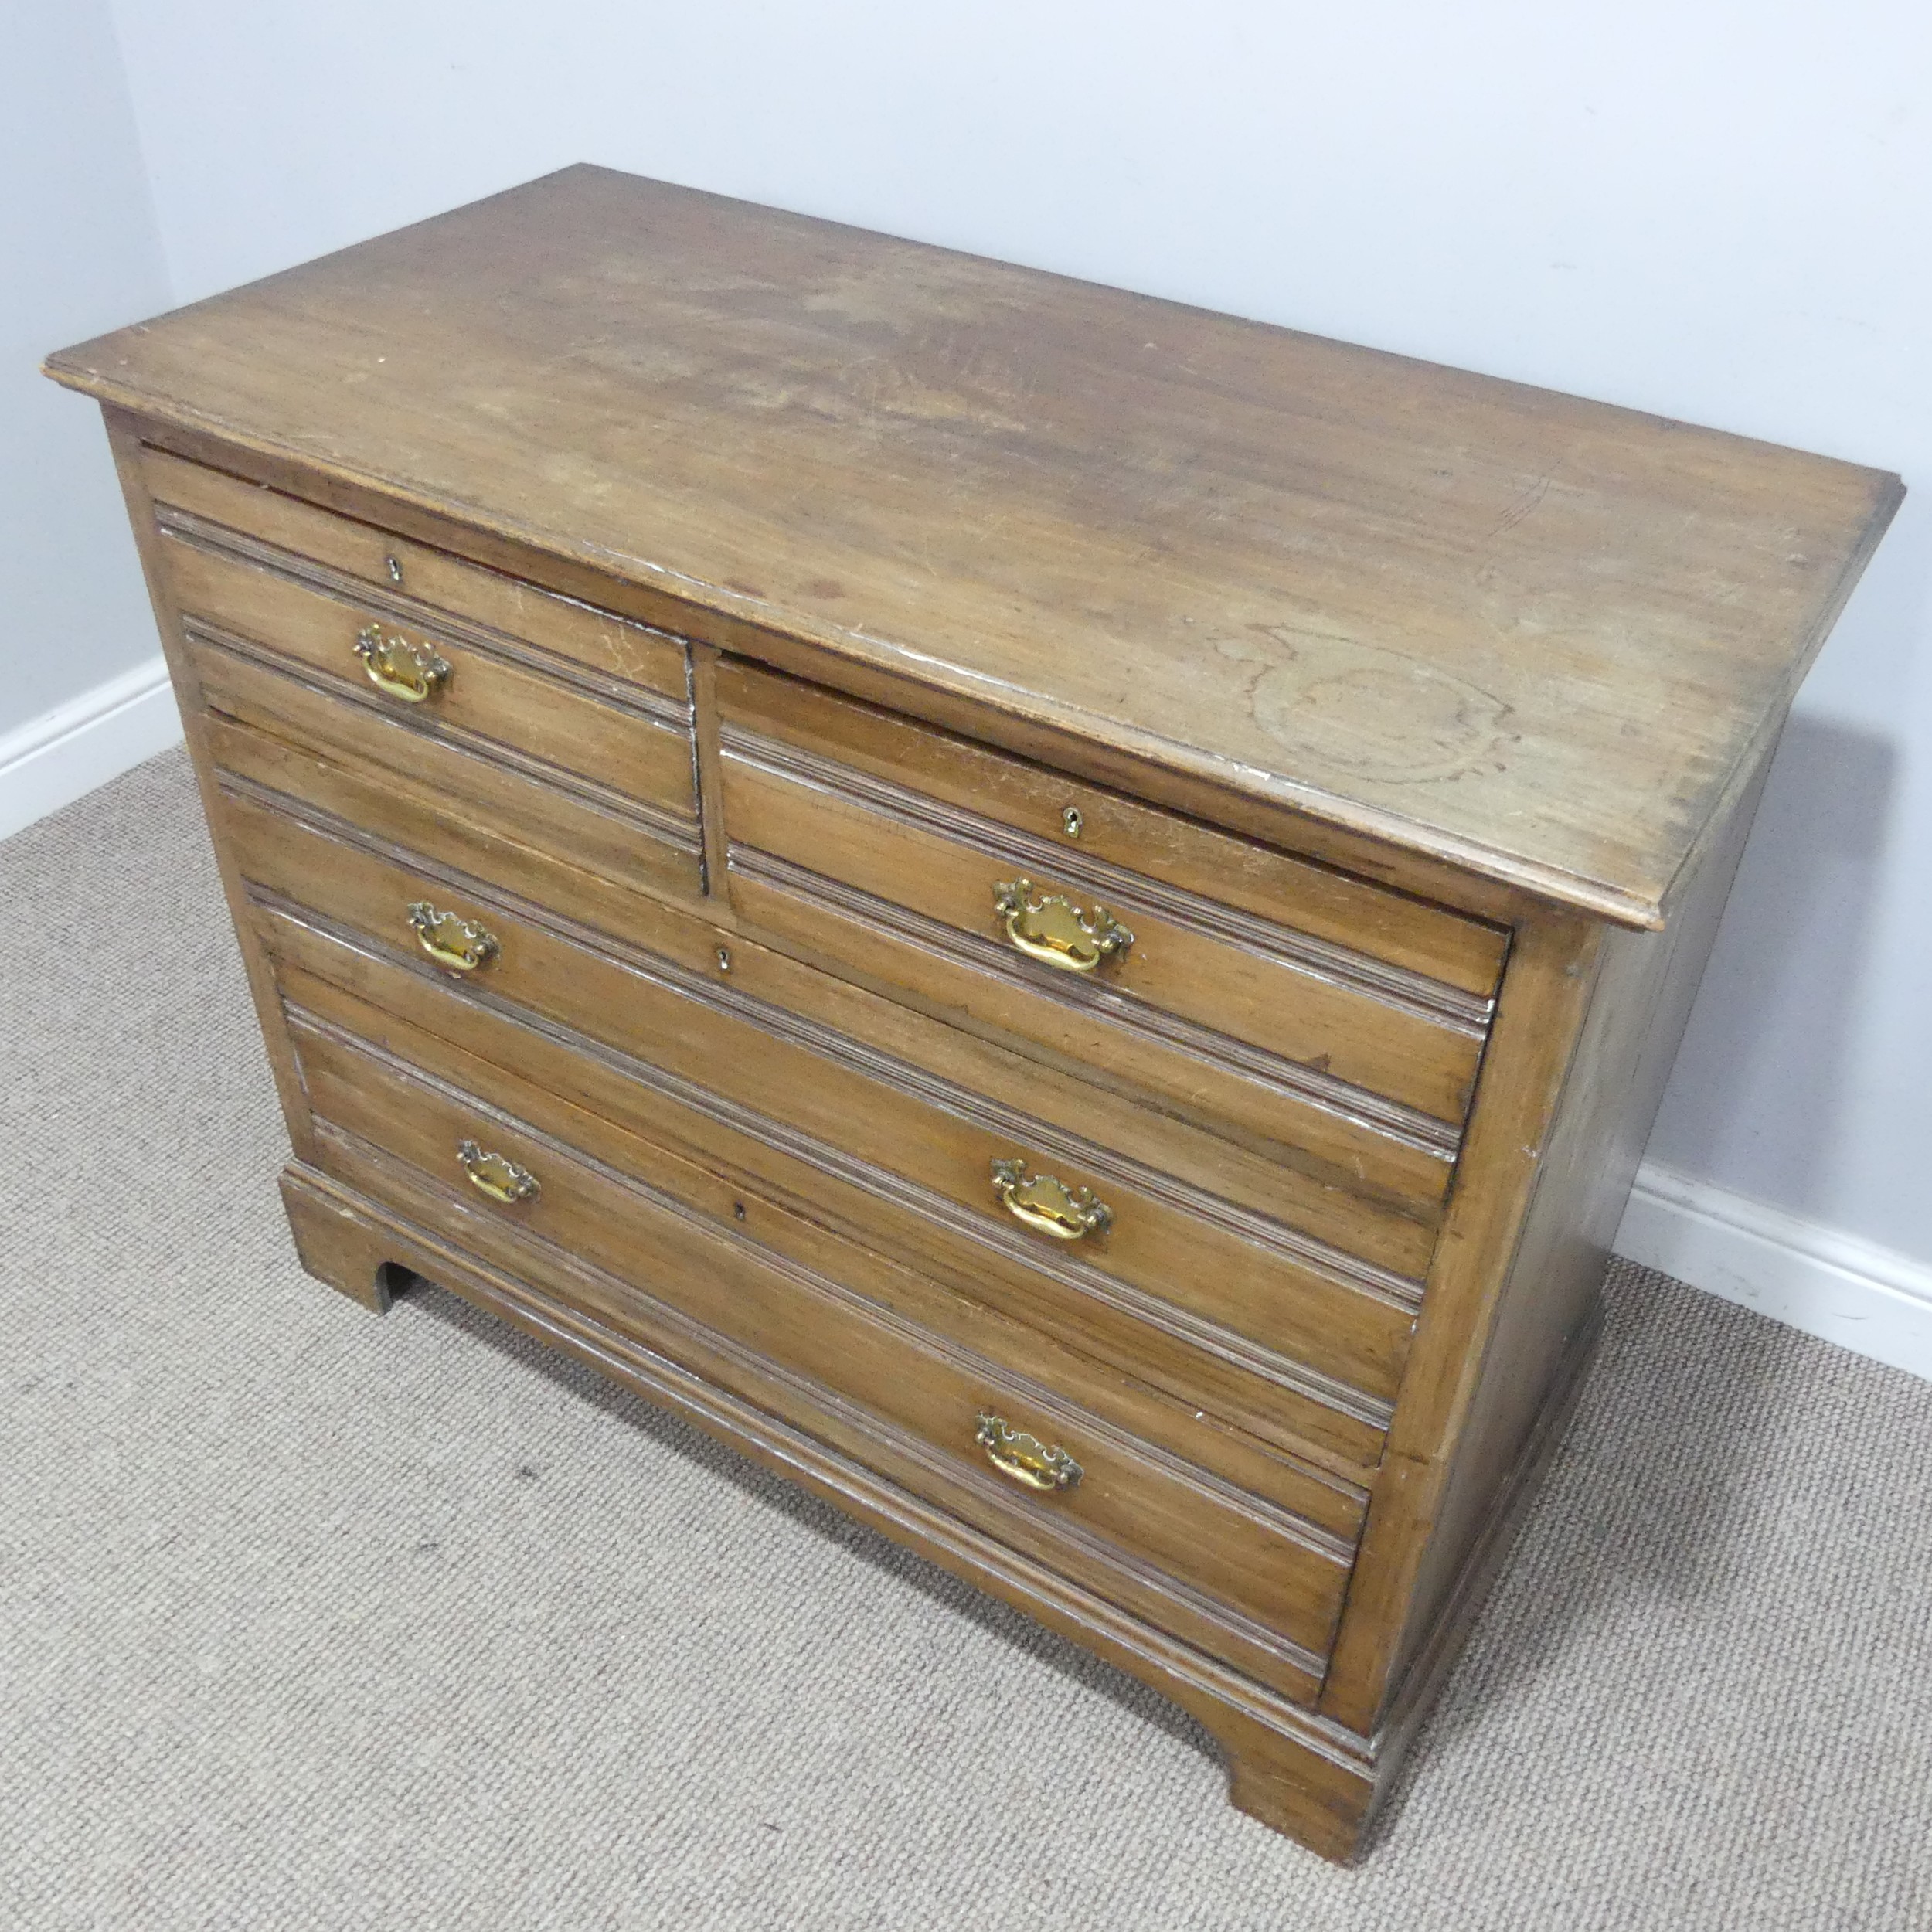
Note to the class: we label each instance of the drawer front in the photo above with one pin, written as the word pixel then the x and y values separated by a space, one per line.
pixel 1368 922
pixel 1356 1035
pixel 351 757
pixel 1246 1333
pixel 284 533
pixel 461 692
pixel 598 1194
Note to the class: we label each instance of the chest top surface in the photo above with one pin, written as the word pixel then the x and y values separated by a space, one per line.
pixel 1535 636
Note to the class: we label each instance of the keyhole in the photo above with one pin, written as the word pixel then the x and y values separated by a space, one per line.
pixel 395 570
pixel 724 959
pixel 1071 821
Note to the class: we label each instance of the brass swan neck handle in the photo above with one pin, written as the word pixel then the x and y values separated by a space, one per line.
pixel 1049 928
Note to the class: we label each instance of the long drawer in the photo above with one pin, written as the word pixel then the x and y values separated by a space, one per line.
pixel 1254 1584
pixel 726 1068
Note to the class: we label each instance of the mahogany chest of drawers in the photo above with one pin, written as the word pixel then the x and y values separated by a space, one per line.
pixel 1061 915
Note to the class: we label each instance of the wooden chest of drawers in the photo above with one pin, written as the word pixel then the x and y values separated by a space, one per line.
pixel 1061 915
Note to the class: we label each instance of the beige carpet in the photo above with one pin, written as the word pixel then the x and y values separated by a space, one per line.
pixel 312 1620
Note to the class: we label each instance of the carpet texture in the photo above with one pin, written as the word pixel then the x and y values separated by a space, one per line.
pixel 309 1619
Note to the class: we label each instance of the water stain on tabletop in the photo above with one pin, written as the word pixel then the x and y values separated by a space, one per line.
pixel 1367 710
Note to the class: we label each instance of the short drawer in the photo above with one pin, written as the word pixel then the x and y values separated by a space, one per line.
pixel 631 744
pixel 357 559
pixel 377 771
pixel 848 827
pixel 1178 1291
pixel 1253 1583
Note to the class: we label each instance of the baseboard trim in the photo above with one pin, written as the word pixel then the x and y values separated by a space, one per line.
pixel 65 753
pixel 1871 1300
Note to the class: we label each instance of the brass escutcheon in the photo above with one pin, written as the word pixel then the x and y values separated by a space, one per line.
pixel 450 939
pixel 496 1174
pixel 399 667
pixel 1048 1206
pixel 1049 928
pixel 1027 1460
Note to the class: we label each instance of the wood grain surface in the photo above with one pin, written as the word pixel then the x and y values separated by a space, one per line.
pixel 1531 635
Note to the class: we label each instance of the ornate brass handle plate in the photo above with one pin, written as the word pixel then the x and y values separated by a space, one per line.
pixel 450 939
pixel 1049 928
pixel 1050 1206
pixel 399 667
pixel 1027 1460
pixel 497 1175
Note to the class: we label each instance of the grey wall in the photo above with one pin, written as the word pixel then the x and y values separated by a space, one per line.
pixel 80 252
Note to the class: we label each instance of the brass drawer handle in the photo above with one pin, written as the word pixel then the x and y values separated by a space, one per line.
pixel 451 940
pixel 497 1175
pixel 1050 1206
pixel 399 666
pixel 1024 1458
pixel 1049 928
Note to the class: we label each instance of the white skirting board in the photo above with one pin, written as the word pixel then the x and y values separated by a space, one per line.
pixel 1871 1300
pixel 63 754
pixel 1865 1298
